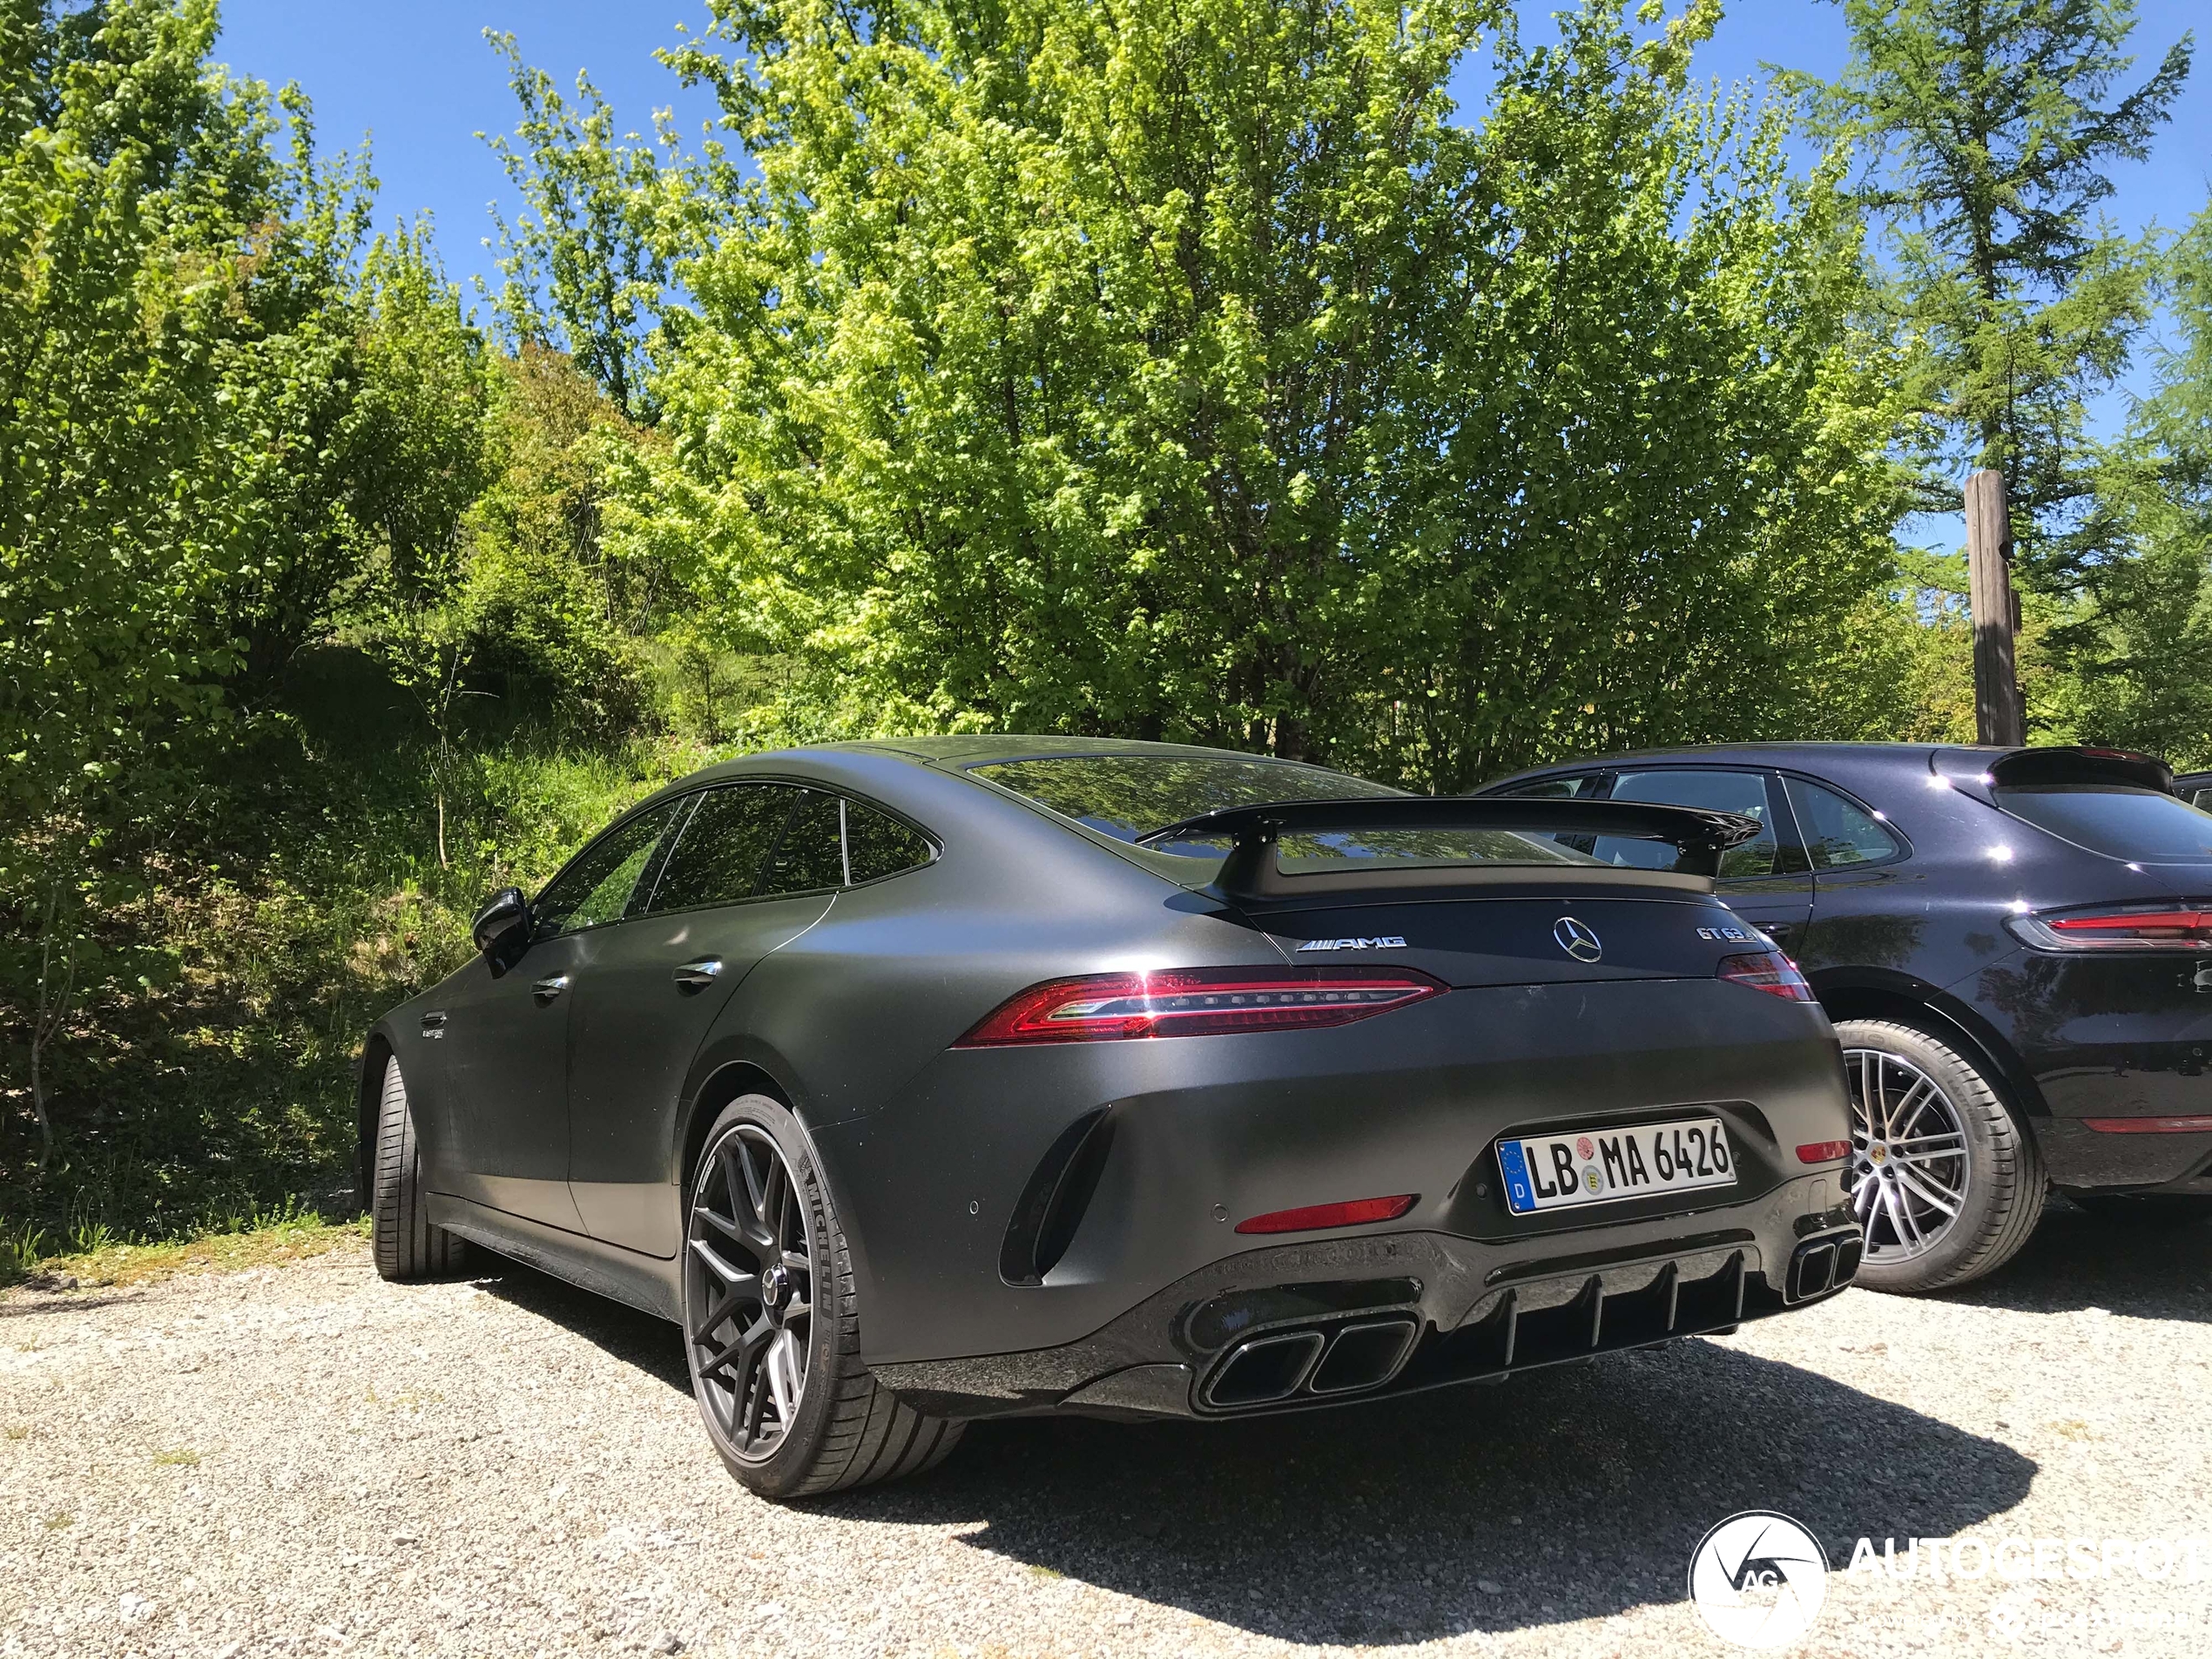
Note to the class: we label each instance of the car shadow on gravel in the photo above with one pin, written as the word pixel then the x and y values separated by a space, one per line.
pixel 652 1346
pixel 2151 1268
pixel 1564 1494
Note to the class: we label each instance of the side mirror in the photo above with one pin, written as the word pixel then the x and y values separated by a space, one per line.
pixel 496 924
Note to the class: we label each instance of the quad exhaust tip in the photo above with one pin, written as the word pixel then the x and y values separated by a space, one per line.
pixel 1347 1359
pixel 1824 1264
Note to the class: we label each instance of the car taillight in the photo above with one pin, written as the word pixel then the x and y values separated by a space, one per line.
pixel 2135 928
pixel 1824 1151
pixel 1769 971
pixel 1196 1003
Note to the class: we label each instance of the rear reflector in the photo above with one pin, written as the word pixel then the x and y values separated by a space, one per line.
pixel 1196 1003
pixel 1769 971
pixel 1824 1151
pixel 1315 1216
pixel 2137 927
pixel 2200 1125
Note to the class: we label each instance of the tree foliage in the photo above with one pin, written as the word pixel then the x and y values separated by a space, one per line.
pixel 2144 640
pixel 1987 128
pixel 1193 373
pixel 586 271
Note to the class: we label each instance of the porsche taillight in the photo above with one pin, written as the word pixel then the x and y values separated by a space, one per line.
pixel 1196 1003
pixel 2129 927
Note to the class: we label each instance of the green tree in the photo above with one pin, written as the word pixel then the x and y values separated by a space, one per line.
pixel 584 265
pixel 2144 645
pixel 1191 373
pixel 1987 128
pixel 215 410
pixel 122 168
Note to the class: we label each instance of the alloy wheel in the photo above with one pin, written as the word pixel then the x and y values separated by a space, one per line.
pixel 1909 1169
pixel 749 1300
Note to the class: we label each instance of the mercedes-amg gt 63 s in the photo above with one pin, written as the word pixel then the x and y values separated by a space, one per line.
pixel 936 1080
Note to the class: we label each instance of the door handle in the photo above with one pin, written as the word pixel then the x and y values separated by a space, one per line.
pixel 546 990
pixel 697 975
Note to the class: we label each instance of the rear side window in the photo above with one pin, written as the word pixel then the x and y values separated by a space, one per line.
pixel 767 840
pixel 596 887
pixel 811 854
pixel 1580 788
pixel 2112 818
pixel 717 859
pixel 1838 834
pixel 876 846
pixel 1722 791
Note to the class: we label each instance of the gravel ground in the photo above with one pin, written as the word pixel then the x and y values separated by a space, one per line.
pixel 302 1460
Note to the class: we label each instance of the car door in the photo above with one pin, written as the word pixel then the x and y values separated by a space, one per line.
pixel 1765 880
pixel 755 866
pixel 1868 911
pixel 505 1035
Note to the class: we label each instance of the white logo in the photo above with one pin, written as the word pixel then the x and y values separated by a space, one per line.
pixel 1758 1579
pixel 1391 942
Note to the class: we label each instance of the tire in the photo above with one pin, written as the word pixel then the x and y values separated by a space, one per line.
pixel 793 1413
pixel 406 1245
pixel 1983 1157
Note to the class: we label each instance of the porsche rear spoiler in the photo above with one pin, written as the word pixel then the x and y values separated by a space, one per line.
pixel 1977 771
pixel 1698 836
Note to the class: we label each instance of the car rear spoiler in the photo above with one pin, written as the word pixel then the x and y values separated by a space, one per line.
pixel 1698 836
pixel 2058 764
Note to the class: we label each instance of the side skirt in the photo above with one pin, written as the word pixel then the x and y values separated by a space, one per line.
pixel 644 1282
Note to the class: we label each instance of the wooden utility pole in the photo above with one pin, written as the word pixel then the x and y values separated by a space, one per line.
pixel 2000 717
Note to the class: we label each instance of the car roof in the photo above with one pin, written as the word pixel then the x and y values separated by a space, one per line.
pixel 969 749
pixel 1776 754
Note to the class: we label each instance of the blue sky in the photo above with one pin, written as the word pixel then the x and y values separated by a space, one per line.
pixel 416 77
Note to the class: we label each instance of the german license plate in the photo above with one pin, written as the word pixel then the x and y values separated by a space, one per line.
pixel 1604 1166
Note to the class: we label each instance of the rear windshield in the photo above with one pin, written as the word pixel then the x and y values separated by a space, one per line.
pixel 1126 796
pixel 2111 819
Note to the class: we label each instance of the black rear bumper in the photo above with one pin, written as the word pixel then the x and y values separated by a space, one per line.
pixel 1303 1326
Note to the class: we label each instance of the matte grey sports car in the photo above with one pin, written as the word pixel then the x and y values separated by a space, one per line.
pixel 934 1080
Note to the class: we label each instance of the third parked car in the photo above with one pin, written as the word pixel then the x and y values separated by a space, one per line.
pixel 2016 948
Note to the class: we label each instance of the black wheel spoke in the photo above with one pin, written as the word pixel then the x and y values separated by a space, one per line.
pixel 748 1291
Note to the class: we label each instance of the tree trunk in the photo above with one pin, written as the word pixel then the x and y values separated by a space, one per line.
pixel 2000 717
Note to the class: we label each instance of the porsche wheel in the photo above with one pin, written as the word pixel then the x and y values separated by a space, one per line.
pixel 771 1324
pixel 1947 1183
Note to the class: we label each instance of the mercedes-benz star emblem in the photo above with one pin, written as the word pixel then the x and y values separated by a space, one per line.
pixel 1577 940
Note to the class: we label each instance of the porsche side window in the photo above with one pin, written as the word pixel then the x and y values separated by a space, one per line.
pixel 1837 833
pixel 1716 790
pixel 597 887
pixel 1555 788
pixel 877 847
pixel 720 854
pixel 810 856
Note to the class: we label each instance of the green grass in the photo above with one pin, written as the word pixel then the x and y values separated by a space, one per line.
pixel 265 1240
pixel 295 895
